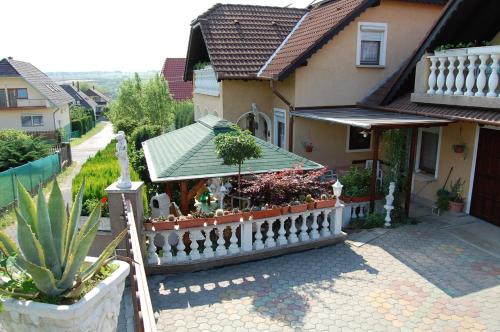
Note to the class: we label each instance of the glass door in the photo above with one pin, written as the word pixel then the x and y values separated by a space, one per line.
pixel 12 97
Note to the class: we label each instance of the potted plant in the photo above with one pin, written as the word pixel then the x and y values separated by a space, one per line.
pixel 325 201
pixel 161 223
pixel 285 209
pixel 456 201
pixel 357 184
pixel 297 207
pixel 48 283
pixel 308 146
pixel 459 148
pixel 226 217
pixel 267 211
pixel 191 220
pixel 310 202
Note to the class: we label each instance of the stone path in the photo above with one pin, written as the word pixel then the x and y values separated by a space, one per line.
pixel 412 278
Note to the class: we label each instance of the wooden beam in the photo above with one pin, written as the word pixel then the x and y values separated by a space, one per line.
pixel 184 197
pixel 411 167
pixel 373 185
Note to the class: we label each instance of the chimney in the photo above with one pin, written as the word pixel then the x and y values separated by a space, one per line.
pixel 78 86
pixel 10 58
pixel 93 87
pixel 73 83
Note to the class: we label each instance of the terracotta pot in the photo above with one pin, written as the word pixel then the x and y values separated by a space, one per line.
pixel 159 225
pixel 229 218
pixel 190 223
pixel 456 207
pixel 210 221
pixel 310 206
pixel 325 203
pixel 309 148
pixel 285 209
pixel 246 215
pixel 298 208
pixel 459 148
pixel 357 199
pixel 266 213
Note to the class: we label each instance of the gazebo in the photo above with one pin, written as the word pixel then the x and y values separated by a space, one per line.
pixel 189 154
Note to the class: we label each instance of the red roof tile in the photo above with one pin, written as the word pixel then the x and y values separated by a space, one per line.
pixel 173 71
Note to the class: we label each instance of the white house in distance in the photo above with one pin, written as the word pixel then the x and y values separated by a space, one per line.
pixel 31 101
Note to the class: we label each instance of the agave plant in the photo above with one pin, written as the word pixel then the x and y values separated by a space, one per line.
pixel 52 248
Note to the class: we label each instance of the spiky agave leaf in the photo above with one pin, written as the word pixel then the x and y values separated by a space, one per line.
pixel 26 206
pixel 58 219
pixel 72 226
pixel 28 242
pixel 43 278
pixel 7 245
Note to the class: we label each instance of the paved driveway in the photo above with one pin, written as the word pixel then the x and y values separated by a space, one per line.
pixel 418 277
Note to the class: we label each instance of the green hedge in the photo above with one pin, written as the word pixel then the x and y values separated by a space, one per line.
pixel 83 124
pixel 99 172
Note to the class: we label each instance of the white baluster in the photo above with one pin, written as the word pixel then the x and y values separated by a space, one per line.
pixel 167 248
pixel 292 238
pixel 221 248
pixel 281 237
pixel 432 76
pixel 460 80
pixel 233 247
pixel 258 244
pixel 470 81
pixel 325 225
pixel 181 248
pixel 314 226
pixel 270 243
pixel 481 78
pixel 152 255
pixel 441 76
pixel 493 80
pixel 208 251
pixel 450 78
pixel 303 228
pixel 193 236
pixel 361 211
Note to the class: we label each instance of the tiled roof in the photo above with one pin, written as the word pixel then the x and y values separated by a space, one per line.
pixel 318 26
pixel 41 82
pixel 173 71
pixel 240 38
pixel 189 153
pixel 79 96
pixel 96 92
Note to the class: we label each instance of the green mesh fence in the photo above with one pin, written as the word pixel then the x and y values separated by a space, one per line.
pixel 30 175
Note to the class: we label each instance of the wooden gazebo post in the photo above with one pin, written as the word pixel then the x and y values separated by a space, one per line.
pixel 373 185
pixel 411 167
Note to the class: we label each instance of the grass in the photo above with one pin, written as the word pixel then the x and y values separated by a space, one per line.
pixel 89 134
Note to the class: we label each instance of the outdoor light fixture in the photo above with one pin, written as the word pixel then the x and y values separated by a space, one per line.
pixel 337 191
pixel 364 133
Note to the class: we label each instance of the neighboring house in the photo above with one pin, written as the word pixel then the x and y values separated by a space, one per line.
pixel 31 101
pixel 100 98
pixel 173 72
pixel 461 86
pixel 270 66
pixel 80 98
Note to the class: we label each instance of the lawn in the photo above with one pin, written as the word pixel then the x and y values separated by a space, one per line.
pixel 77 141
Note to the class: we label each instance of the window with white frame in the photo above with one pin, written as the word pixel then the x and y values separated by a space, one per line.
pixel 31 120
pixel 428 146
pixel 372 44
pixel 358 139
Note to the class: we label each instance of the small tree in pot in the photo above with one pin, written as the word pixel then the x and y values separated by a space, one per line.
pixel 456 196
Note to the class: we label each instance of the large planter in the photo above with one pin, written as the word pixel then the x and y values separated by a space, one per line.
pixel 456 207
pixel 97 311
pixel 190 223
pixel 159 226
pixel 325 203
pixel 263 214
pixel 228 218
pixel 298 208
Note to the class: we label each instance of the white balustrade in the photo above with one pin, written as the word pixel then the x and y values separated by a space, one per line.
pixel 303 236
pixel 221 242
pixel 205 82
pixel 471 72
pixel 233 247
pixel 152 255
pixel 167 248
pixel 270 243
pixel 359 209
pixel 325 225
pixel 208 251
pixel 282 232
pixel 181 247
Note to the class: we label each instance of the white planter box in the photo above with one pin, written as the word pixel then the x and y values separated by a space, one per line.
pixel 97 311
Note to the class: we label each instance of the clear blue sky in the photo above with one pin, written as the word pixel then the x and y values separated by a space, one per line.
pixel 126 35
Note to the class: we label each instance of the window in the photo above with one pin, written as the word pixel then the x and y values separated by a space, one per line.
pixel 31 120
pixel 22 93
pixel 428 144
pixel 3 98
pixel 358 139
pixel 280 128
pixel 372 43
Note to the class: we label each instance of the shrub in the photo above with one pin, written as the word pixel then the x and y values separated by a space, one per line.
pixel 374 220
pixel 143 133
pixel 126 125
pixel 18 148
pixel 184 113
pixel 357 182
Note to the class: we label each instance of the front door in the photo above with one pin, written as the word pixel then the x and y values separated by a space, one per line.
pixel 485 202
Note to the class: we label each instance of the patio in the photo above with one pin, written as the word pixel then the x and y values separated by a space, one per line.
pixel 423 276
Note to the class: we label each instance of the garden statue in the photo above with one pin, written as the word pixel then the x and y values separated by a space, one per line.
pixel 160 205
pixel 122 154
pixel 389 199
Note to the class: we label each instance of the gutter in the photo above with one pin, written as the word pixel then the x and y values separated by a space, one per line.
pixel 290 110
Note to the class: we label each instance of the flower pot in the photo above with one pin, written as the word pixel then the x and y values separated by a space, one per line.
pixel 159 225
pixel 210 221
pixel 229 218
pixel 285 209
pixel 456 207
pixel 309 148
pixel 311 205
pixel 459 148
pixel 270 213
pixel 298 208
pixel 360 199
pixel 190 223
pixel 325 203
pixel 246 215
pixel 97 311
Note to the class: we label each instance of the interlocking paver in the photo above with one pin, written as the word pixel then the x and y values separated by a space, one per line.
pixel 412 277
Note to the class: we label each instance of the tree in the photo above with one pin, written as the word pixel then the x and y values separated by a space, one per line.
pixel 236 146
pixel 17 148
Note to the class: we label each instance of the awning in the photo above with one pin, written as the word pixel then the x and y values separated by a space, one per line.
pixel 368 118
pixel 189 153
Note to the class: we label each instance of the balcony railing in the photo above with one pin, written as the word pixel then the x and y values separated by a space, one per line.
pixel 205 82
pixel 28 103
pixel 462 77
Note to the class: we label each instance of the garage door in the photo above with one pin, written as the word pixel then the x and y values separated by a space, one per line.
pixel 485 202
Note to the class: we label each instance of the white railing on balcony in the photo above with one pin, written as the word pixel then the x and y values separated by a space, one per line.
pixel 27 103
pixel 471 72
pixel 205 82
pixel 244 237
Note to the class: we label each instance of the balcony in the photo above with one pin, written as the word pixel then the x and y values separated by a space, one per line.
pixel 205 82
pixel 459 77
pixel 25 103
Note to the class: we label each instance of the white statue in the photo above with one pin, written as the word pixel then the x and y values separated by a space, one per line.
pixel 389 199
pixel 121 152
pixel 160 205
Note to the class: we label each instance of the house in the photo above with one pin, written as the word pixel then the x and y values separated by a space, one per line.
pixel 459 84
pixel 31 101
pixel 100 99
pixel 173 71
pixel 80 98
pixel 271 68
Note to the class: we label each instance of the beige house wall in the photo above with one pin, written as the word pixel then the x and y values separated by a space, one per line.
pixel 331 76
pixel 456 133
pixel 206 104
pixel 239 96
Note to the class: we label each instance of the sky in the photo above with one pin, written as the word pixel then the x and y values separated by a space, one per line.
pixel 104 35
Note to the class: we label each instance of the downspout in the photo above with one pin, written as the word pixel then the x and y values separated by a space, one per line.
pixel 290 110
pixel 54 119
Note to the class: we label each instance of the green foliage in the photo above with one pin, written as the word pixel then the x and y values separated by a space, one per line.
pixel 18 148
pixel 201 65
pixel 184 113
pixel 236 146
pixel 138 163
pixel 372 220
pixel 357 182
pixel 457 190
pixel 82 119
pixel 474 43
pixel 52 248
pixel 143 133
pixel 126 125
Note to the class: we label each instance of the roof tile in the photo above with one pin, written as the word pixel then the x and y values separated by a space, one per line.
pixel 173 71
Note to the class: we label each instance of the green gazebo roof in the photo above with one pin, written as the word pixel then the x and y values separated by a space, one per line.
pixel 189 153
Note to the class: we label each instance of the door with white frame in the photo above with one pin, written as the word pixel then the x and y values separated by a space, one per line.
pixel 279 126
